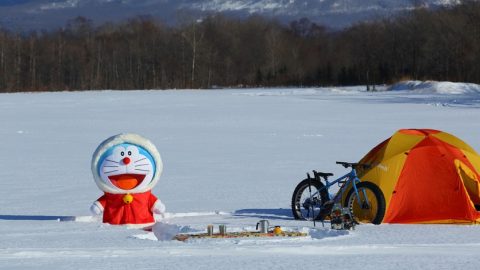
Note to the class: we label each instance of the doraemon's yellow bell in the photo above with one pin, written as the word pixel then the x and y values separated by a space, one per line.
pixel 128 198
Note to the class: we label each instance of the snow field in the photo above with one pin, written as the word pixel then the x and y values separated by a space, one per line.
pixel 230 157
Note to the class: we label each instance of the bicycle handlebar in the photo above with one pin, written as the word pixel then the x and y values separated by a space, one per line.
pixel 354 165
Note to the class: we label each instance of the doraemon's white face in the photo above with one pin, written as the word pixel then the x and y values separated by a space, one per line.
pixel 127 167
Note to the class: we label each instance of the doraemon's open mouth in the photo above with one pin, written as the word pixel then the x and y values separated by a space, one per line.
pixel 126 181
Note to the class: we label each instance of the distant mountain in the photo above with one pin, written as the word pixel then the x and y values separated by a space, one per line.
pixel 39 14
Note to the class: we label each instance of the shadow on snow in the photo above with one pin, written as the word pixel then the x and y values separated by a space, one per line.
pixel 280 213
pixel 36 217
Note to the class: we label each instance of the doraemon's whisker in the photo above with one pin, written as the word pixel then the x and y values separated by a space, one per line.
pixel 111 171
pixel 112 161
pixel 141 165
pixel 111 166
pixel 142 170
pixel 140 160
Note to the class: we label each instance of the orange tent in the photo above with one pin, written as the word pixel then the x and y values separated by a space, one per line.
pixel 427 176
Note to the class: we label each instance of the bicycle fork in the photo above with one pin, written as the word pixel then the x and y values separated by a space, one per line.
pixel 366 203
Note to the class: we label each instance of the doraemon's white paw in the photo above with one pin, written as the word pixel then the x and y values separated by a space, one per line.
pixel 96 208
pixel 159 208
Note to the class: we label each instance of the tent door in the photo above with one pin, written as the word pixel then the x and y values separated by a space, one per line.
pixel 470 182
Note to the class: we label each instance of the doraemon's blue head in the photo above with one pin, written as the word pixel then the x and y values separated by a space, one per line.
pixel 126 163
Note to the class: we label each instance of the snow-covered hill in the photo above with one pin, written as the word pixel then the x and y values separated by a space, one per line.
pixel 230 157
pixel 28 14
pixel 430 87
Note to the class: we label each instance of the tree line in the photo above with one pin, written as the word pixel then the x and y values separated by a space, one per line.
pixel 218 51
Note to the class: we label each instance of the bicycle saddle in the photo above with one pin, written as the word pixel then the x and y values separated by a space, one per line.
pixel 321 174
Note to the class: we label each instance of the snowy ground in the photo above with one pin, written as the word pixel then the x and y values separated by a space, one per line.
pixel 231 157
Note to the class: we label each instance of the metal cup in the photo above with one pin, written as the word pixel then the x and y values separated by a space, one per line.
pixel 210 230
pixel 263 224
pixel 223 229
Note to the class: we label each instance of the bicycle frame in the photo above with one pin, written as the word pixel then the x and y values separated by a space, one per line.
pixel 349 178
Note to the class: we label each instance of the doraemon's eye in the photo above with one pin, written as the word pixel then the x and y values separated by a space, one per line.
pixel 132 150
pixel 122 153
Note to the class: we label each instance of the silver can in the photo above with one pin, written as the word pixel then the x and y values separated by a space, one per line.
pixel 223 229
pixel 210 230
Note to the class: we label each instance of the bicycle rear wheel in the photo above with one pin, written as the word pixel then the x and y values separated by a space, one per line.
pixel 307 203
pixel 368 206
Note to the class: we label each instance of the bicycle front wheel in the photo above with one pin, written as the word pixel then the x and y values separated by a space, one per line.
pixel 368 205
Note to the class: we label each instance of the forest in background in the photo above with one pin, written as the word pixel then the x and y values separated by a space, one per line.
pixel 218 51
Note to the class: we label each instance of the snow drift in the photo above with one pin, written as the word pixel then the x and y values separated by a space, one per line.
pixel 430 87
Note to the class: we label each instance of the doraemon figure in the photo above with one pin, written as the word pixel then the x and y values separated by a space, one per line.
pixel 126 167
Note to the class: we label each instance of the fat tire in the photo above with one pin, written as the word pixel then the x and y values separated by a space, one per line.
pixel 298 192
pixel 379 197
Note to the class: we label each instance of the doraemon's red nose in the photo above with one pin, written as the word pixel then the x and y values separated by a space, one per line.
pixel 126 160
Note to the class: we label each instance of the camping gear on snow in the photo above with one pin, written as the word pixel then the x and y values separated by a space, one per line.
pixel 276 232
pixel 262 227
pixel 184 237
pixel 336 221
pixel 126 167
pixel 341 219
pixel 311 199
pixel 427 176
pixel 348 222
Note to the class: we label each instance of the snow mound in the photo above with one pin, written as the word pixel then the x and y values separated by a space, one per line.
pixel 194 214
pixel 166 232
pixel 302 92
pixel 428 87
pixel 325 233
pixel 277 92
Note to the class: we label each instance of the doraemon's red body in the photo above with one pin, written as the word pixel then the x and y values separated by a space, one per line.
pixel 126 167
pixel 138 211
